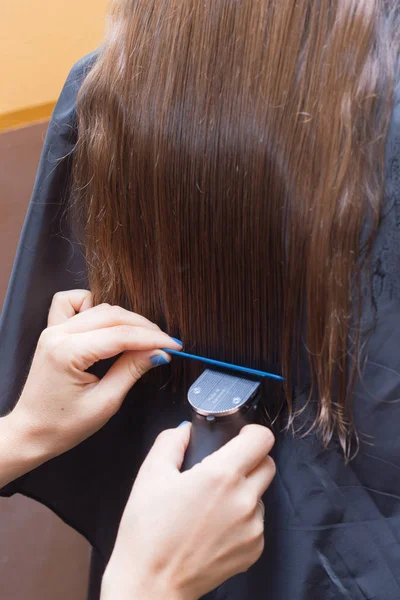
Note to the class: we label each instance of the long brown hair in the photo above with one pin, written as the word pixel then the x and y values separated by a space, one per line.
pixel 230 154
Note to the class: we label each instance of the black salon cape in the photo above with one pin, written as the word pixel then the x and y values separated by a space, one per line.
pixel 332 531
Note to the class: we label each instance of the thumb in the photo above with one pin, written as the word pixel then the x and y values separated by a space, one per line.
pixel 126 371
pixel 169 448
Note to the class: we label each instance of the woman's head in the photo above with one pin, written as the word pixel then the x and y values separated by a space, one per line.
pixel 229 156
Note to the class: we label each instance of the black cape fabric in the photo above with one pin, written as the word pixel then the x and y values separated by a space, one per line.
pixel 332 531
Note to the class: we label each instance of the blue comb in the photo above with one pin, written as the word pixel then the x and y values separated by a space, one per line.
pixel 223 365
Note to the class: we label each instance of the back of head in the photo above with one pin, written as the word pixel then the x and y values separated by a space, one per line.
pixel 230 154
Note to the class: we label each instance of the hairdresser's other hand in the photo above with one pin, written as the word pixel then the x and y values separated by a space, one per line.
pixel 183 534
pixel 62 404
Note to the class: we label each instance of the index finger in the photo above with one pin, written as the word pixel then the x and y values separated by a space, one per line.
pixel 103 316
pixel 247 450
pixel 66 304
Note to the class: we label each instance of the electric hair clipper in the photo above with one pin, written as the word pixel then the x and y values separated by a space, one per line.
pixel 222 405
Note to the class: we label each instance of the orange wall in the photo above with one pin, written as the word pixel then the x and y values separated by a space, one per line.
pixel 39 42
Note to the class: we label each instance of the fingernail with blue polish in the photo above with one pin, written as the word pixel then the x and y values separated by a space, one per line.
pixel 177 341
pixel 183 424
pixel 158 360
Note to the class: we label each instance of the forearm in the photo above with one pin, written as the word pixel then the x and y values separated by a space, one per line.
pixel 21 449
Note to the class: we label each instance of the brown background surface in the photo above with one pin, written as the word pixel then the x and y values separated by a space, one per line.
pixel 40 557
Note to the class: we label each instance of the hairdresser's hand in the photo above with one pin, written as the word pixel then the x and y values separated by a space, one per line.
pixel 183 534
pixel 62 404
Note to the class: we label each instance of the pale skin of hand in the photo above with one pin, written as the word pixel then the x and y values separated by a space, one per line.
pixel 184 534
pixel 62 404
pixel 211 509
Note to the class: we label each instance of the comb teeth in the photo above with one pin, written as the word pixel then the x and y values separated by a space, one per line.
pixel 224 365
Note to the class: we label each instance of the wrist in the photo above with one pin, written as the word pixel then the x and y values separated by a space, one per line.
pixel 124 585
pixel 24 442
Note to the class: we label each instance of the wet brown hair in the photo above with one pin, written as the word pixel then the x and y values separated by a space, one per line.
pixel 230 154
